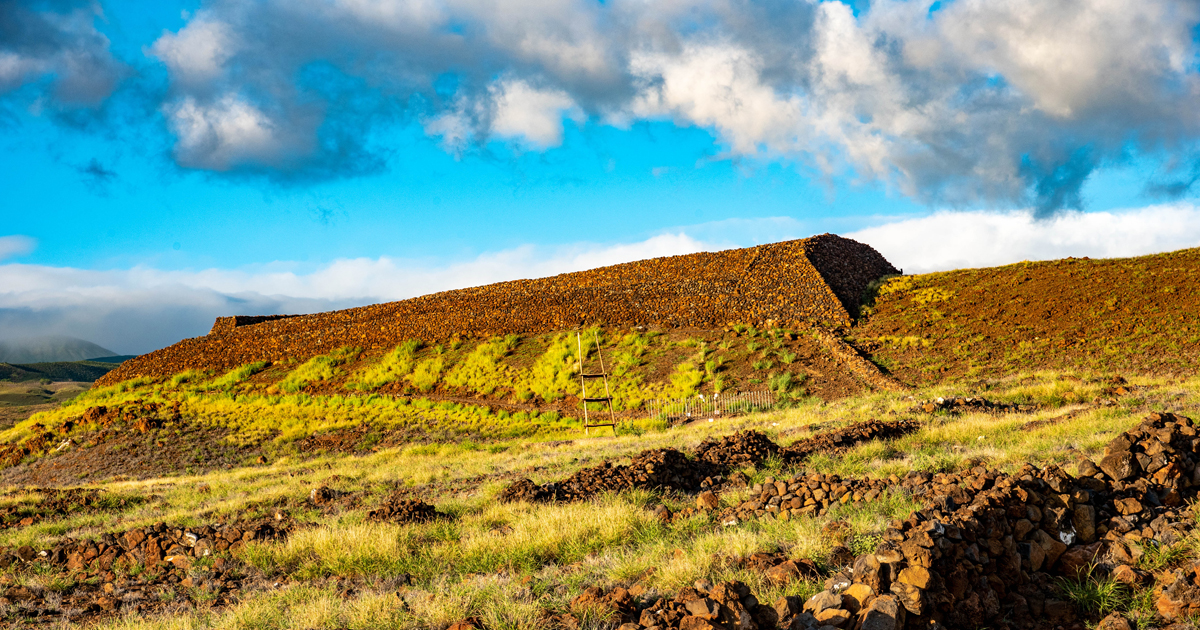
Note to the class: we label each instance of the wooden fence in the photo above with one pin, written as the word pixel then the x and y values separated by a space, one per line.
pixel 715 406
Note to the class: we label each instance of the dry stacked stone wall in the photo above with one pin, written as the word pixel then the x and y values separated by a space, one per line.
pixel 987 548
pixel 227 324
pixel 706 471
pixel 818 279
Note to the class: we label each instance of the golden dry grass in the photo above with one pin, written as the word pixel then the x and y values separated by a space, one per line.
pixel 507 563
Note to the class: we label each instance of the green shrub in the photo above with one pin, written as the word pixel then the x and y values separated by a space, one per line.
pixel 426 374
pixel 392 367
pixel 319 368
pixel 236 376
pixel 552 374
pixel 787 386
pixel 186 377
pixel 1094 595
pixel 481 370
pixel 685 380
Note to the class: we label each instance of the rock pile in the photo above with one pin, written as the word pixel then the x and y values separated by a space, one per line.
pixel 841 440
pixel 788 284
pixel 776 567
pixel 139 415
pixel 669 469
pixel 968 404
pixel 149 546
pixel 399 510
pixel 1179 597
pixel 988 545
pixel 103 583
pixel 802 495
pixel 666 469
pixel 741 448
pixel 726 605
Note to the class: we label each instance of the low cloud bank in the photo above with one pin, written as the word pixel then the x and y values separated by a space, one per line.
pixel 953 240
pixel 138 310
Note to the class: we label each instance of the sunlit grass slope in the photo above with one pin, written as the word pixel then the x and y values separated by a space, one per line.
pixel 514 564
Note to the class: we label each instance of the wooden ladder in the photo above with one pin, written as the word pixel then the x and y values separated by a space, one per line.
pixel 584 377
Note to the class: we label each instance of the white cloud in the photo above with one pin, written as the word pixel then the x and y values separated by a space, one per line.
pixel 953 240
pixel 228 133
pixel 198 52
pixel 718 86
pixel 978 102
pixel 1069 57
pixel 523 111
pixel 14 68
pixel 16 245
pixel 57 44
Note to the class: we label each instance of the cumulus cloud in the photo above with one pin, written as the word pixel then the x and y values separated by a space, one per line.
pixel 971 102
pixel 196 55
pixel 523 111
pixel 141 309
pixel 227 133
pixel 953 240
pixel 57 46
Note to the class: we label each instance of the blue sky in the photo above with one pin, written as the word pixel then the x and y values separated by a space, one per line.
pixel 164 163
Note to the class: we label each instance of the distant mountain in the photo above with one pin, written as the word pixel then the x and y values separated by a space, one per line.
pixel 49 349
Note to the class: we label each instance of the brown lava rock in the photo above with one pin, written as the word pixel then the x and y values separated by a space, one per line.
pixel 397 509
pixel 669 469
pixel 986 549
pixel 101 583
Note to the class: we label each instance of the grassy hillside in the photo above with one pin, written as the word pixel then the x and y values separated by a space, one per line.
pixel 1132 315
pixel 493 389
pixel 49 349
pixel 62 371
pixel 1032 475
pixel 518 565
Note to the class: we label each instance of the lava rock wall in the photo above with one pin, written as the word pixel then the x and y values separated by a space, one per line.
pixel 818 279
pixel 987 548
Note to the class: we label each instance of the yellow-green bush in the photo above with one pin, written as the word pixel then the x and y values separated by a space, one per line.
pixel 235 376
pixel 427 373
pixel 189 376
pixel 319 368
pixel 553 373
pixel 931 295
pixel 685 380
pixel 392 367
pixel 481 370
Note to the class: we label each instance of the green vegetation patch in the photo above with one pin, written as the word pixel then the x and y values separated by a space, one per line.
pixel 236 376
pixel 319 368
pixel 481 370
pixel 394 366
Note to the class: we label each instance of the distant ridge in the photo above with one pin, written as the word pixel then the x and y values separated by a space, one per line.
pixel 50 349
pixel 115 359
pixel 58 371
